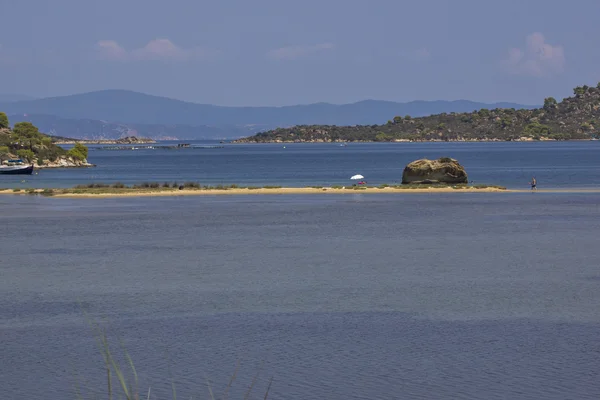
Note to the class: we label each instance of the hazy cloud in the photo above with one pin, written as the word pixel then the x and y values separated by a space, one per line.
pixel 538 58
pixel 294 52
pixel 158 49
pixel 111 50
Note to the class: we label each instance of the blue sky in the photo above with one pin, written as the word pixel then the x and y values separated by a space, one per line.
pixel 268 52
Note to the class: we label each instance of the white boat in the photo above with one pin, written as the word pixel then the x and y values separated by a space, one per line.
pixel 16 167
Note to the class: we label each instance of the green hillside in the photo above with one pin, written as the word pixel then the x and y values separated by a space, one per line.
pixel 576 117
pixel 25 141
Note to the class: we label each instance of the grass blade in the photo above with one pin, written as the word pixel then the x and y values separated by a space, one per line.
pixel 247 395
pixel 237 367
pixel 212 396
pixel 268 388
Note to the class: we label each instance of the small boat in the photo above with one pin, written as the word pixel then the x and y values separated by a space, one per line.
pixel 16 167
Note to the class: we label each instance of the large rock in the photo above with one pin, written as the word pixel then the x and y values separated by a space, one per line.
pixel 443 170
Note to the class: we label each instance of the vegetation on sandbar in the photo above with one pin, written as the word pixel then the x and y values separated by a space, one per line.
pixel 156 187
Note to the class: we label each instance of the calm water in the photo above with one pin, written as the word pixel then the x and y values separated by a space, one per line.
pixel 555 164
pixel 408 296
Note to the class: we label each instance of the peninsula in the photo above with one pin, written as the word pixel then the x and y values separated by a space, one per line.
pixel 26 142
pixel 573 118
pixel 124 140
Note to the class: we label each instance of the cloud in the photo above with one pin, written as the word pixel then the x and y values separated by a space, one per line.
pixel 294 52
pixel 538 58
pixel 158 49
pixel 111 50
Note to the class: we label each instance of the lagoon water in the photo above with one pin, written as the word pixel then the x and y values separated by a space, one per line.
pixel 353 296
pixel 511 164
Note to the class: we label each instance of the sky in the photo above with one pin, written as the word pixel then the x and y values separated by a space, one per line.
pixel 280 52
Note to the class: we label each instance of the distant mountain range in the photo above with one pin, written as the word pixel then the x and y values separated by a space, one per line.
pixel 11 97
pixel 110 113
pixel 93 129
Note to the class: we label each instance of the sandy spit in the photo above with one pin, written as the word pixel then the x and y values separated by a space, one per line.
pixel 243 191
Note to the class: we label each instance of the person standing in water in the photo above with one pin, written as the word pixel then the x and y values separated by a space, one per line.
pixel 533 184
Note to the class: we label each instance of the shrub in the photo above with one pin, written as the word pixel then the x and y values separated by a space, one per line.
pixel 81 149
pixel 3 121
pixel 26 154
pixel 75 154
pixel 535 128
pixel 549 103
pixel 118 185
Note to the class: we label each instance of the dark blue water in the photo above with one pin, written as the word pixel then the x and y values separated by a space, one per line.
pixel 403 296
pixel 554 164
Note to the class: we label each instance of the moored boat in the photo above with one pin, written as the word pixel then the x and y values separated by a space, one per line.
pixel 16 167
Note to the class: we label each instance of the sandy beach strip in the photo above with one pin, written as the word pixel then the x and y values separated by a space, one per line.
pixel 109 193
pixel 116 193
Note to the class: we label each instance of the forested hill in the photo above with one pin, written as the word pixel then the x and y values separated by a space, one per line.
pixel 26 142
pixel 576 117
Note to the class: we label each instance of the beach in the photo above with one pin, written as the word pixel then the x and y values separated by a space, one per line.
pixel 143 192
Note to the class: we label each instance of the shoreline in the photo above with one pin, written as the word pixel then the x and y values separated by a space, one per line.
pixel 86 193
pixel 165 192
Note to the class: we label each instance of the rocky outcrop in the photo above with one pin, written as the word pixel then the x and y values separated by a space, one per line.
pixel 443 170
pixel 64 162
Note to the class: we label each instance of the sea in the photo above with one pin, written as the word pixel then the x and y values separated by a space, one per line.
pixel 337 296
pixel 510 164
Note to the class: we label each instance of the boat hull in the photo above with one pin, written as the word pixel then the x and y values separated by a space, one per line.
pixel 17 170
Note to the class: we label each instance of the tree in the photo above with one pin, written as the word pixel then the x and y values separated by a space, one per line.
pixel 78 152
pixel 3 120
pixel 578 91
pixel 4 153
pixel 549 103
pixel 381 137
pixel 536 129
pixel 397 119
pixel 27 130
pixel 26 154
pixel 81 149
pixel 484 113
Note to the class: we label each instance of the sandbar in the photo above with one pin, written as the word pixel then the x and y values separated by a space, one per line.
pixel 166 192
pixel 133 192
